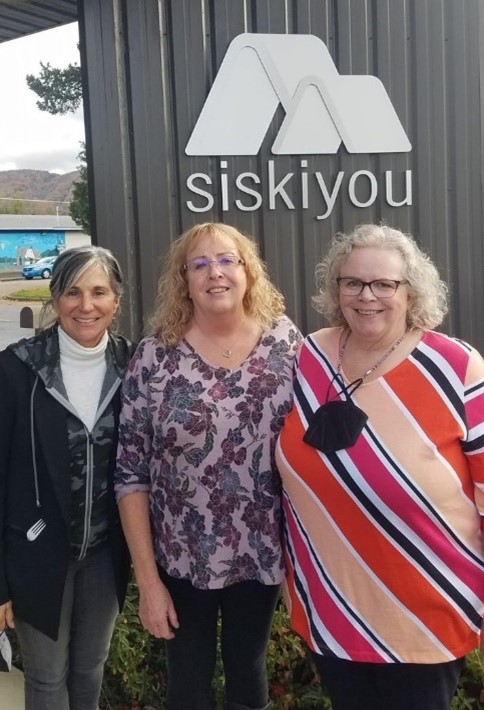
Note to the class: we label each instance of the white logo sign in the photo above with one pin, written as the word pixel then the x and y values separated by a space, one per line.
pixel 260 72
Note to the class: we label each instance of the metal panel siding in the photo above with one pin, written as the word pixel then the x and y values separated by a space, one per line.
pixel 149 66
pixel 108 141
pixel 22 17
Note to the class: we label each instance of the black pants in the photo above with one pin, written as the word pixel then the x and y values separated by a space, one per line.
pixel 246 611
pixel 389 686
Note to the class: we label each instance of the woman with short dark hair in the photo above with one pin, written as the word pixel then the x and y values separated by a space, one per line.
pixel 63 560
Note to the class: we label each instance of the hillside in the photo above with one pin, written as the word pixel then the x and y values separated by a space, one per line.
pixel 24 185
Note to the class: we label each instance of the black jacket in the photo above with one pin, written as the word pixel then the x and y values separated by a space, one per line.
pixel 34 422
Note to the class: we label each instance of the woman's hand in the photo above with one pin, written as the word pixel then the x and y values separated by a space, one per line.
pixel 156 611
pixel 6 616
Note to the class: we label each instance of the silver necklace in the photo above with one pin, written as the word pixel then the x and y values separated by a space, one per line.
pixel 377 364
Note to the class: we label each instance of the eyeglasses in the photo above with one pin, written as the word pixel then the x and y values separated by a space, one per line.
pixel 224 262
pixel 381 288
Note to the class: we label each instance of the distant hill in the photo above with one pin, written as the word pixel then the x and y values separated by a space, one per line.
pixel 23 185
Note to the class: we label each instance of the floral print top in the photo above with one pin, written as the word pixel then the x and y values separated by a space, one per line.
pixel 200 439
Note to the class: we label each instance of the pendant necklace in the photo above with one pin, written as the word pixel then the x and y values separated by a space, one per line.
pixel 228 351
pixel 377 364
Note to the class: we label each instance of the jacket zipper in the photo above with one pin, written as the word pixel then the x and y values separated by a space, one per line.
pixel 90 470
pixel 88 499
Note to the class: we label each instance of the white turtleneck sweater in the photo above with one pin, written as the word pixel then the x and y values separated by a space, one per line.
pixel 83 371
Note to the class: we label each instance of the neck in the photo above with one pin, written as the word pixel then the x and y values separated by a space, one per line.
pixel 364 361
pixel 223 325
pixel 222 340
pixel 371 344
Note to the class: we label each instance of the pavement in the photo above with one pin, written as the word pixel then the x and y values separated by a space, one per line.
pixel 10 330
pixel 12 683
pixel 12 690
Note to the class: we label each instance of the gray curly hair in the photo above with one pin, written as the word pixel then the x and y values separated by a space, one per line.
pixel 428 293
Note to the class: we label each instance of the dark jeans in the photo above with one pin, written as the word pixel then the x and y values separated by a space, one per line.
pixel 67 674
pixel 389 686
pixel 246 611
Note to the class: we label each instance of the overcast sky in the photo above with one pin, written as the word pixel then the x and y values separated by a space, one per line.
pixel 30 138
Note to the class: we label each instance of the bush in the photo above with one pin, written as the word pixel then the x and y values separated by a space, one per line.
pixel 470 693
pixel 135 676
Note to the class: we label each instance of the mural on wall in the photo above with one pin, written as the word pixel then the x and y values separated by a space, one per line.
pixel 19 248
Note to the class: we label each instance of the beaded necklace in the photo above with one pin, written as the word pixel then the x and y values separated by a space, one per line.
pixel 377 364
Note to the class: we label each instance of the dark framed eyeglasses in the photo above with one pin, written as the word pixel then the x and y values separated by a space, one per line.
pixel 224 262
pixel 381 288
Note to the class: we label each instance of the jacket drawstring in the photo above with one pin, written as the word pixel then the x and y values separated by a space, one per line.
pixel 32 441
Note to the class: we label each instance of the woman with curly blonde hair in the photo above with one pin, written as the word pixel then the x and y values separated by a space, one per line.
pixel 198 490
pixel 174 308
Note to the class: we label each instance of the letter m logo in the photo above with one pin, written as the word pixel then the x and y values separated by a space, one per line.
pixel 322 108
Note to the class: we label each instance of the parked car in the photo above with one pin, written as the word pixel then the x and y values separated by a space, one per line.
pixel 42 268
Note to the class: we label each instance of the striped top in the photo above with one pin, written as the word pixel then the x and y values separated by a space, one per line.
pixel 384 551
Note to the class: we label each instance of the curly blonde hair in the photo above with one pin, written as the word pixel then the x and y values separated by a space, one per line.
pixel 427 303
pixel 174 308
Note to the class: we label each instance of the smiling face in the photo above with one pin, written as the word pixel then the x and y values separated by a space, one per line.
pixel 370 318
pixel 87 309
pixel 216 289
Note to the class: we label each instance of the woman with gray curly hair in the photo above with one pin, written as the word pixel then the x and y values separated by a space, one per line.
pixel 382 461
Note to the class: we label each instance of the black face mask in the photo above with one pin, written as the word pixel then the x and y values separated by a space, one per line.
pixel 336 425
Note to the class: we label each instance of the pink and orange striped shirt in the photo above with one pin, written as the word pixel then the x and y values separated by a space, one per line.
pixel 384 549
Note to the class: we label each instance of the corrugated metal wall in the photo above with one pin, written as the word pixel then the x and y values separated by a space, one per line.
pixel 149 66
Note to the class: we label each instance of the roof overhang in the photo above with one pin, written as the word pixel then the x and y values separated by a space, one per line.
pixel 24 17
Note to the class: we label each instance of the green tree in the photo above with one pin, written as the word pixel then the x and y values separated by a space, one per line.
pixel 79 205
pixel 60 92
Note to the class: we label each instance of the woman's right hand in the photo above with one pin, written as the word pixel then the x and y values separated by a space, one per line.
pixel 156 611
pixel 6 616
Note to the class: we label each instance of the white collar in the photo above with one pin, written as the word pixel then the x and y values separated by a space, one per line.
pixel 73 350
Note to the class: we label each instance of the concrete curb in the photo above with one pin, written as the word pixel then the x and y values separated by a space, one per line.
pixel 10 275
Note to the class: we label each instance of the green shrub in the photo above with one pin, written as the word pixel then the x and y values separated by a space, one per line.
pixel 470 693
pixel 135 675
